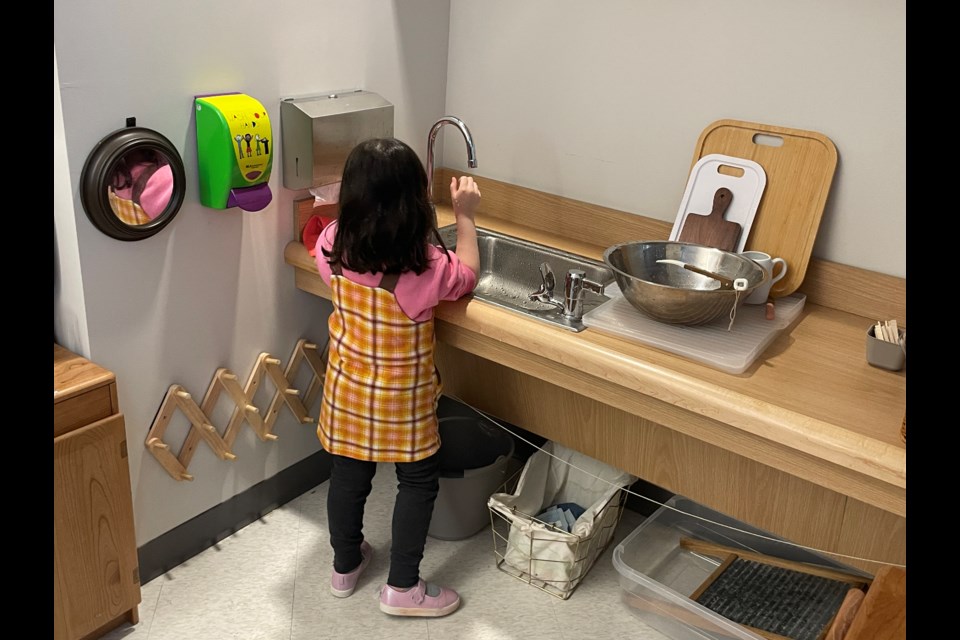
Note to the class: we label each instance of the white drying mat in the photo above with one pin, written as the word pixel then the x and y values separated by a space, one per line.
pixel 731 351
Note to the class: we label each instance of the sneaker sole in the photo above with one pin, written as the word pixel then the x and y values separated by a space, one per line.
pixel 342 594
pixel 346 593
pixel 422 612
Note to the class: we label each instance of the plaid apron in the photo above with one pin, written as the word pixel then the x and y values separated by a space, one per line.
pixel 128 211
pixel 381 387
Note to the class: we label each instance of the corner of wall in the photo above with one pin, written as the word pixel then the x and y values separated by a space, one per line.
pixel 69 310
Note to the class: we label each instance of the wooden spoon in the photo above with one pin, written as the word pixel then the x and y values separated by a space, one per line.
pixel 725 282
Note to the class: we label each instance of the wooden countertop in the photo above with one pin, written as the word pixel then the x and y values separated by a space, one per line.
pixel 810 405
pixel 74 374
pixel 83 392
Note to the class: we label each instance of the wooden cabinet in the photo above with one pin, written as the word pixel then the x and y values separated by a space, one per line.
pixel 96 581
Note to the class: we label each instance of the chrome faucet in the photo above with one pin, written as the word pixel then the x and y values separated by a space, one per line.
pixel 573 286
pixel 434 130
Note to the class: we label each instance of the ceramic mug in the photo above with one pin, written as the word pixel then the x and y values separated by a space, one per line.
pixel 768 263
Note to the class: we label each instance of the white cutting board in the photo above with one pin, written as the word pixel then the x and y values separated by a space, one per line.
pixel 713 172
pixel 732 351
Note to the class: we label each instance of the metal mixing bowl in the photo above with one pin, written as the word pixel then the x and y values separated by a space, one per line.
pixel 672 294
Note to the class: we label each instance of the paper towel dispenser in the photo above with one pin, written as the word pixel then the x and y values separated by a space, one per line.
pixel 319 132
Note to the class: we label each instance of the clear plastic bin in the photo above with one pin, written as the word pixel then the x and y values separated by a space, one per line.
pixel 658 576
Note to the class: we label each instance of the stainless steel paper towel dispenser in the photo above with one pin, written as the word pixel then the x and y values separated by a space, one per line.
pixel 319 132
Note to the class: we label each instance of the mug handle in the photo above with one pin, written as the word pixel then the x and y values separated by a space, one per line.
pixel 783 269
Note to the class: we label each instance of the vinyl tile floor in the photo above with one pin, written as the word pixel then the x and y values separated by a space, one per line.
pixel 271 581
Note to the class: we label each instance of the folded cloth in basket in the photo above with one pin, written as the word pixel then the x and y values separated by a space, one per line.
pixel 563 516
pixel 556 475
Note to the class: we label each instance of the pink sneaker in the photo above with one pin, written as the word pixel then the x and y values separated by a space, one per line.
pixel 343 584
pixel 422 599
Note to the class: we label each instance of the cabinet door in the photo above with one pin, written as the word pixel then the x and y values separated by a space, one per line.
pixel 94 544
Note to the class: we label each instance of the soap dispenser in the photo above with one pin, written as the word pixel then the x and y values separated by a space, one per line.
pixel 234 151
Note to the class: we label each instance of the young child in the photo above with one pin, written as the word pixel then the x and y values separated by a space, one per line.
pixel 381 387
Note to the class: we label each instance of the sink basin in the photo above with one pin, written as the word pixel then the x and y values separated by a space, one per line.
pixel 510 272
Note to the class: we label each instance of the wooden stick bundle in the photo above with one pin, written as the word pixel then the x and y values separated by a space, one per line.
pixel 887 331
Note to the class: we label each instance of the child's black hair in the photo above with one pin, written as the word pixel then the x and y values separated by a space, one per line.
pixel 386 218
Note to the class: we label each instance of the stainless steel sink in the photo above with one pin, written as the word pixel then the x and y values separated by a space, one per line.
pixel 510 271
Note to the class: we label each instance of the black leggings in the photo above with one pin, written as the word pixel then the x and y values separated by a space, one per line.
pixel 350 484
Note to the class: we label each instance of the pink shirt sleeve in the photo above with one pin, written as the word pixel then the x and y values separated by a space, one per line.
pixel 444 279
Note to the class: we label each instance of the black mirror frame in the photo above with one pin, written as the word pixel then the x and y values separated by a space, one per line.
pixel 98 171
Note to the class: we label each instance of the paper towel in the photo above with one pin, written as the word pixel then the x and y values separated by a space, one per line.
pixel 327 194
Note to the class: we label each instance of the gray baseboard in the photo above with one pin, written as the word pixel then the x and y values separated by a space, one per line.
pixel 210 527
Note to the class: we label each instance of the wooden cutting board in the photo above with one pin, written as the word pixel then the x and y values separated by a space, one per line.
pixel 712 229
pixel 799 166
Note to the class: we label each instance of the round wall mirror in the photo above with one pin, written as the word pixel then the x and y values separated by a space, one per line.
pixel 133 183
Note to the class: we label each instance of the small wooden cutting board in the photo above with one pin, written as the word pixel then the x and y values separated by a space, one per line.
pixel 712 230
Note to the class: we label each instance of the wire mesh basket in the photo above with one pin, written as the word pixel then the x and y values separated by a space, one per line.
pixel 545 556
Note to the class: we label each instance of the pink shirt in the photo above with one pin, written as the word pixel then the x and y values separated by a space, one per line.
pixel 157 191
pixel 417 295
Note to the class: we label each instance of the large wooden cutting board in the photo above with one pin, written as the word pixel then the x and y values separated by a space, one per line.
pixel 799 166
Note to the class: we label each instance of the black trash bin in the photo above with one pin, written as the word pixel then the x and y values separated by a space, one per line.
pixel 474 456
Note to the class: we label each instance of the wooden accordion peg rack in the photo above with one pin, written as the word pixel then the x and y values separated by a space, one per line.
pixel 221 442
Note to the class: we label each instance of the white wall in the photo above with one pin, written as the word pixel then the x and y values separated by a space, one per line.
pixel 211 290
pixel 604 101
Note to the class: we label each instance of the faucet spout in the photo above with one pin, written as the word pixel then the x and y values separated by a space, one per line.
pixel 434 130
pixel 573 287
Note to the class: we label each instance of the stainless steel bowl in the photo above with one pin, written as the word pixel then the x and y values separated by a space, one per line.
pixel 672 294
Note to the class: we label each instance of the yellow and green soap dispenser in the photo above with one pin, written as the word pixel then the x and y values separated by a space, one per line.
pixel 234 151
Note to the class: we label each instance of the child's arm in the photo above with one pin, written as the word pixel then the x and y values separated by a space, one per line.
pixel 465 196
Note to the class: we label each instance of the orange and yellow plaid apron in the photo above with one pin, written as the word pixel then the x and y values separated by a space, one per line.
pixel 128 211
pixel 381 387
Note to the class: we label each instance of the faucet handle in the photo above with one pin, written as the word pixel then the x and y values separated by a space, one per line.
pixel 596 287
pixel 548 283
pixel 549 280
pixel 577 281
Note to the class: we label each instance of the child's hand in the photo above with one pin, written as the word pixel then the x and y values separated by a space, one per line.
pixel 465 196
